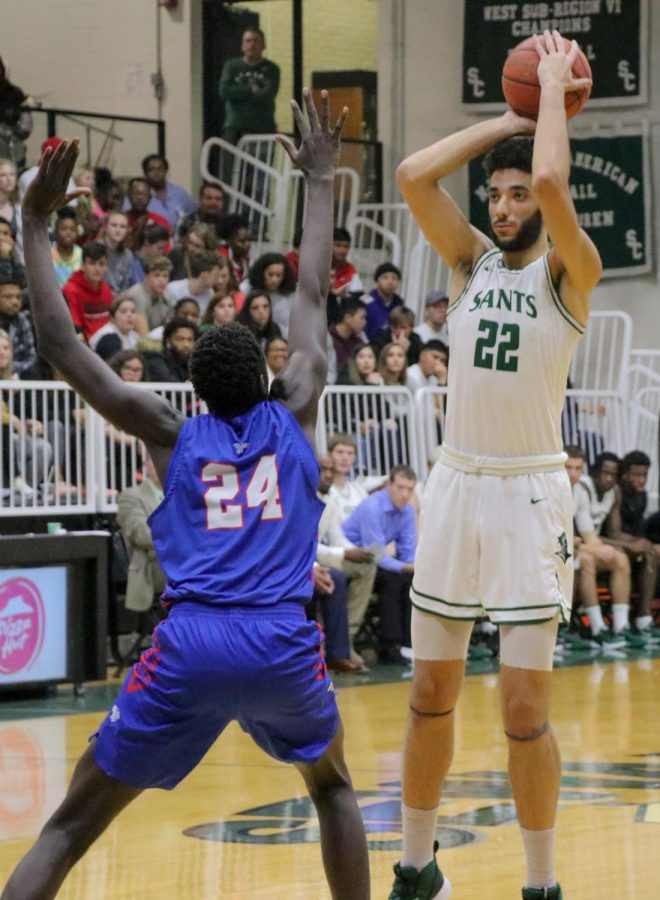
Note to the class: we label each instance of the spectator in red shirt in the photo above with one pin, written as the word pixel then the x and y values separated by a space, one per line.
pixel 345 278
pixel 87 294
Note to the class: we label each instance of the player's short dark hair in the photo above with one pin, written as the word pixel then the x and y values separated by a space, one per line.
pixel 10 278
pixel 150 157
pixel 634 458
pixel 350 306
pixel 385 268
pixel 341 234
pixel 574 451
pixel 4 221
pixel 67 212
pixel 404 472
pixel 232 224
pixel 198 263
pixel 228 370
pixel 211 184
pixel 256 30
pixel 256 275
pixel 513 153
pixel 95 251
pixel 176 323
pixel 434 344
pixel 136 179
pixel 182 302
pixel 154 233
pixel 605 456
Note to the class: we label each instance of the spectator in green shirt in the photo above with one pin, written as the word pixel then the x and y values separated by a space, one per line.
pixel 249 85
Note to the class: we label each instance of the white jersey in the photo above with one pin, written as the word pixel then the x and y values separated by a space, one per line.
pixel 511 341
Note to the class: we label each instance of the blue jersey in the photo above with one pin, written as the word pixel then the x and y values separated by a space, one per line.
pixel 239 521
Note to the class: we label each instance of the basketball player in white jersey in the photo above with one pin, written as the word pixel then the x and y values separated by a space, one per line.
pixel 496 530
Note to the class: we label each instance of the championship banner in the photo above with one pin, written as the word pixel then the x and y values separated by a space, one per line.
pixel 612 34
pixel 610 186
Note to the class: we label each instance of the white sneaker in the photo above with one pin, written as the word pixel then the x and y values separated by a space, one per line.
pixel 19 484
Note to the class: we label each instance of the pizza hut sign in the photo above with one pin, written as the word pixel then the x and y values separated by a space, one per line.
pixel 22 622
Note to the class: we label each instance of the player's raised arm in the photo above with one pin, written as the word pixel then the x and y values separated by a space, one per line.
pixel 574 261
pixel 135 411
pixel 437 214
pixel 318 155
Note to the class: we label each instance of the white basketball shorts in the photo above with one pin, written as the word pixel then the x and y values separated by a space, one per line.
pixel 495 545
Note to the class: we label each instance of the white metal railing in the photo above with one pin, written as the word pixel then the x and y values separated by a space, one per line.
pixel 261 183
pixel 602 357
pixel 381 419
pixel 425 271
pixel 372 245
pixel 47 460
pixel 59 456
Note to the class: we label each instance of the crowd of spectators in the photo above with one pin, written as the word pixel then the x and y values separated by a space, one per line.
pixel 144 273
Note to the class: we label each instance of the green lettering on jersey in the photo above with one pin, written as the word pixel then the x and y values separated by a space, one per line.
pixel 531 308
pixel 487 300
pixel 504 300
pixel 477 301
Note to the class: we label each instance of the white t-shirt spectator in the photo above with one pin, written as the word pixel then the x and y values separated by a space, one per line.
pixel 177 290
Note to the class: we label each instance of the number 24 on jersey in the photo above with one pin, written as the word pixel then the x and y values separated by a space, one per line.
pixel 263 490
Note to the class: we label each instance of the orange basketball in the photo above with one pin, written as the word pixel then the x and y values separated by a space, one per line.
pixel 521 85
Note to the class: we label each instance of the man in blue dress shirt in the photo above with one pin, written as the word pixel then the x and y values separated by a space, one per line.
pixel 388 517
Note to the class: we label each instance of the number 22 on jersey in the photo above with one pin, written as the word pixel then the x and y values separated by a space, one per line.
pixel 263 490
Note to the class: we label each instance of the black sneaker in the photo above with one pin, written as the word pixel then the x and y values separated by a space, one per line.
pixel 411 884
pixel 547 893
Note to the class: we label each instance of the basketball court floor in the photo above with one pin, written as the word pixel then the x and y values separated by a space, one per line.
pixel 241 827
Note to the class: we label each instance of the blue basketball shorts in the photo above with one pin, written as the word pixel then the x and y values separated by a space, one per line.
pixel 206 667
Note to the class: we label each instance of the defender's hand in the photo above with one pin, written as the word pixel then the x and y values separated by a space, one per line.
pixel 48 191
pixel 318 153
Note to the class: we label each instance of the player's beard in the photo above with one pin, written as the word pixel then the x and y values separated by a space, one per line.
pixel 528 234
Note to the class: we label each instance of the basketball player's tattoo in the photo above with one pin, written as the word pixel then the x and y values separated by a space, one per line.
pixel 429 715
pixel 528 737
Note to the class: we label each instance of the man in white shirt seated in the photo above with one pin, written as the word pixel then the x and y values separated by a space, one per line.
pixel 434 326
pixel 591 505
pixel 431 370
pixel 353 564
pixel 200 285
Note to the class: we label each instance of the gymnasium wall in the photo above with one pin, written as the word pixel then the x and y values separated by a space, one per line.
pixel 98 56
pixel 420 51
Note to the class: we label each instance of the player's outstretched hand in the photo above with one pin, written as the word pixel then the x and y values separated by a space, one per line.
pixel 318 153
pixel 556 62
pixel 48 191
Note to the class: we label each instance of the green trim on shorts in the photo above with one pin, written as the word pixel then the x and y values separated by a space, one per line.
pixel 446 602
pixel 527 621
pixel 516 608
pixel 432 612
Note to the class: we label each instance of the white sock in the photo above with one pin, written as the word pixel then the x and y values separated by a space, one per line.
pixel 620 612
pixel 540 856
pixel 643 622
pixel 418 835
pixel 595 619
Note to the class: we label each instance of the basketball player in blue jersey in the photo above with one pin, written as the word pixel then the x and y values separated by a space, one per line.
pixel 496 528
pixel 236 537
